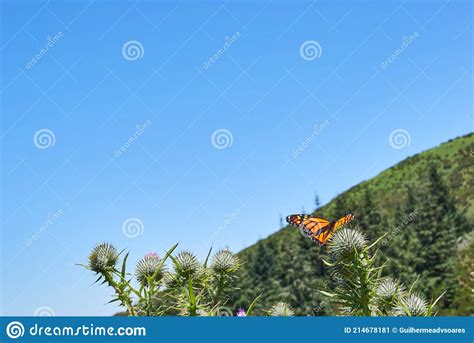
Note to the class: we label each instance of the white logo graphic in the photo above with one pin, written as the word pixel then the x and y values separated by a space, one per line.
pixel 133 50
pixel 222 139
pixel 399 139
pixel 15 330
pixel 44 139
pixel 44 311
pixel 132 227
pixel 310 50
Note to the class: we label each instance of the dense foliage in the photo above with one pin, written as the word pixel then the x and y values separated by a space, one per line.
pixel 424 206
pixel 360 289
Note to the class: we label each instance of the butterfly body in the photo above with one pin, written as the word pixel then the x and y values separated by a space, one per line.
pixel 320 230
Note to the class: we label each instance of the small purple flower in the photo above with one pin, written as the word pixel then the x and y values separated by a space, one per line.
pixel 151 254
pixel 241 313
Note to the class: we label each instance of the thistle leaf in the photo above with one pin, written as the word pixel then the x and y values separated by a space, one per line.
pixel 249 310
pixel 207 257
pixel 124 264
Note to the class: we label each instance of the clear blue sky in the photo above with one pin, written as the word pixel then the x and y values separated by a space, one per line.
pixel 90 93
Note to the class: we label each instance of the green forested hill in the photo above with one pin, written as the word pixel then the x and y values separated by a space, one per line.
pixel 425 204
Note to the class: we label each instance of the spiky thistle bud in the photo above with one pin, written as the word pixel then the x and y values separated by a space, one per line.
pixel 223 261
pixel 103 258
pixel 188 263
pixel 389 288
pixel 147 267
pixel 281 310
pixel 345 241
pixel 412 305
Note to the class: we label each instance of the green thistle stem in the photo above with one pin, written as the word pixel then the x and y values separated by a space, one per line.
pixel 124 298
pixel 151 294
pixel 137 293
pixel 364 285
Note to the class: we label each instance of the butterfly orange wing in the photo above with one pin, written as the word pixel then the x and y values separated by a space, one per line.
pixel 310 225
pixel 343 221
pixel 323 235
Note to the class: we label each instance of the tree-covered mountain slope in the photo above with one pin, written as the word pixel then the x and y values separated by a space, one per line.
pixel 424 205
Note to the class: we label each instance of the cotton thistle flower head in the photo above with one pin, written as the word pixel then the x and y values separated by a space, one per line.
pixel 223 261
pixel 188 263
pixel 148 266
pixel 345 241
pixel 412 305
pixel 281 310
pixel 103 258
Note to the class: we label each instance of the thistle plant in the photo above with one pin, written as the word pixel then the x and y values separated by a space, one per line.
pixel 173 284
pixel 223 265
pixel 188 288
pixel 360 289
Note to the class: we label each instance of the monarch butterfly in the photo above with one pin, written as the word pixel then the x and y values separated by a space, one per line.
pixel 318 229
